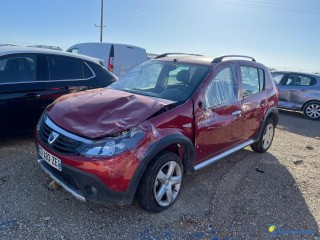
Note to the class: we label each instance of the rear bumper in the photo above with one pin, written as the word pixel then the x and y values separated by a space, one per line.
pixel 85 186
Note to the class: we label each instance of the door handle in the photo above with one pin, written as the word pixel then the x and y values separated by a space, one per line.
pixel 236 113
pixel 303 90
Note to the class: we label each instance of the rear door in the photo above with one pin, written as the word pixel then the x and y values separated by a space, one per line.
pixel 63 74
pixel 254 99
pixel 21 91
pixel 218 114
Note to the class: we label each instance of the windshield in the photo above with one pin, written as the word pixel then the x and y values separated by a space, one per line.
pixel 168 80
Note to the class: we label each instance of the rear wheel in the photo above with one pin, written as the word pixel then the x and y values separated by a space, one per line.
pixel 161 183
pixel 312 110
pixel 266 138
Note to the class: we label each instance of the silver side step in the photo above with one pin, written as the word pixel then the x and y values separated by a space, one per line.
pixel 216 158
pixel 77 194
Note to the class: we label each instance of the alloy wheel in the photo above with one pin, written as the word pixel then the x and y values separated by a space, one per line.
pixel 268 136
pixel 313 111
pixel 167 183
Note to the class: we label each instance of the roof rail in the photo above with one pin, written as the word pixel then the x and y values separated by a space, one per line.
pixel 219 59
pixel 166 54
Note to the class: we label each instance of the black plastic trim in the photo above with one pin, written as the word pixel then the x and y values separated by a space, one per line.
pixel 270 111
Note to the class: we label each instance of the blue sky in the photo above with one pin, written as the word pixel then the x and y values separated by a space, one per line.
pixel 284 33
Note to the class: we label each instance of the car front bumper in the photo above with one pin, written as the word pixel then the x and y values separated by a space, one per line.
pixel 85 186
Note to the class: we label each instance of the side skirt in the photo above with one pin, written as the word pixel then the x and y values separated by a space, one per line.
pixel 222 155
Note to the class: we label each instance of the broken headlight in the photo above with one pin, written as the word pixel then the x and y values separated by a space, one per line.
pixel 111 146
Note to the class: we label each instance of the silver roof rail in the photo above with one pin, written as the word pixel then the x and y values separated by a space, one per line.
pixel 219 59
pixel 166 54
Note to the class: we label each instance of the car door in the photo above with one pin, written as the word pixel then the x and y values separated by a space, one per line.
pixel 218 114
pixel 21 88
pixel 64 74
pixel 295 89
pixel 254 99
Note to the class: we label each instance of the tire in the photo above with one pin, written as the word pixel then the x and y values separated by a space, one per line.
pixel 157 180
pixel 312 110
pixel 266 137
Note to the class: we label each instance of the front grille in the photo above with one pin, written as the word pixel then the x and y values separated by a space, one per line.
pixel 63 144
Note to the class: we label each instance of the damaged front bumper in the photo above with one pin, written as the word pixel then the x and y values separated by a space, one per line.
pixel 87 187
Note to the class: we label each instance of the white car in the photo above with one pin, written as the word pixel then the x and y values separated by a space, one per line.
pixel 118 58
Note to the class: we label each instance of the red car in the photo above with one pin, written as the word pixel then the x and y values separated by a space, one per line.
pixel 168 117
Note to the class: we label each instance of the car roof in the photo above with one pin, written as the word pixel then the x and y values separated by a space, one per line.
pixel 6 50
pixel 294 72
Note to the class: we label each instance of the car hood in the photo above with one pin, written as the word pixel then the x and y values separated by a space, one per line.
pixel 102 112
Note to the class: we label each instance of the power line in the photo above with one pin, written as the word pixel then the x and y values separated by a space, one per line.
pixel 263 6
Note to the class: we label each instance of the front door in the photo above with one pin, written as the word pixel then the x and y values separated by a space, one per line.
pixel 218 114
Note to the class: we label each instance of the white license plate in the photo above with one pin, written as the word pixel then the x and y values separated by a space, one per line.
pixel 49 158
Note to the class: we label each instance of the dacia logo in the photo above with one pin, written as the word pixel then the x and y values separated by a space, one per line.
pixel 52 137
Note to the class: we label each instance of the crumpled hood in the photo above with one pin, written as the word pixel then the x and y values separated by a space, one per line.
pixel 101 112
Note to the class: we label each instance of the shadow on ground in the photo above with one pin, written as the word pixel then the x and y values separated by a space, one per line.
pixel 257 193
pixel 295 122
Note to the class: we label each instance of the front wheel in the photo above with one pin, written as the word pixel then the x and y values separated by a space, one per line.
pixel 312 110
pixel 266 138
pixel 161 183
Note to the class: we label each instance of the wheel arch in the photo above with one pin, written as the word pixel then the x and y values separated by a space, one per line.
pixel 176 143
pixel 156 148
pixel 312 100
pixel 272 113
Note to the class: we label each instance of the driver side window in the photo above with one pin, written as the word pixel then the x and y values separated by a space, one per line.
pixel 223 89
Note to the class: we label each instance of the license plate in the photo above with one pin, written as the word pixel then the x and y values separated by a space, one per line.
pixel 50 159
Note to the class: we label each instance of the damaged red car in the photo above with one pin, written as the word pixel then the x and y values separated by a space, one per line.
pixel 169 117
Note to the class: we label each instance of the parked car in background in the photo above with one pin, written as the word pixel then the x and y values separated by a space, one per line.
pixel 118 58
pixel 299 91
pixel 32 78
pixel 172 115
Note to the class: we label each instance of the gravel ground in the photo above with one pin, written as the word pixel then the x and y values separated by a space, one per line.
pixel 237 198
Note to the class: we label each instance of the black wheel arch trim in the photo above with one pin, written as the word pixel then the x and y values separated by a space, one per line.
pixel 271 112
pixel 155 149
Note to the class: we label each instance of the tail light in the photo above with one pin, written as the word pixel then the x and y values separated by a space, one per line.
pixel 110 64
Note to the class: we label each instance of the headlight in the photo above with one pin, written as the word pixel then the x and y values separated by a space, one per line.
pixel 111 146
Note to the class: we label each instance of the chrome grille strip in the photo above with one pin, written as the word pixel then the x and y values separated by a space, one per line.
pixel 65 133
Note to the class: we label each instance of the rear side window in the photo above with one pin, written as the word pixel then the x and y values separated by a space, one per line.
pixel 64 68
pixel 20 68
pixel 277 77
pixel 253 80
pixel 87 71
pixel 223 89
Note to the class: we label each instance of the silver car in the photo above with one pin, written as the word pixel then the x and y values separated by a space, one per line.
pixel 299 91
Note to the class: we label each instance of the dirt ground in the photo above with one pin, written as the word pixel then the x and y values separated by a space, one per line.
pixel 239 197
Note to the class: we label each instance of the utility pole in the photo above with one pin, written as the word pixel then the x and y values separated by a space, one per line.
pixel 101 22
